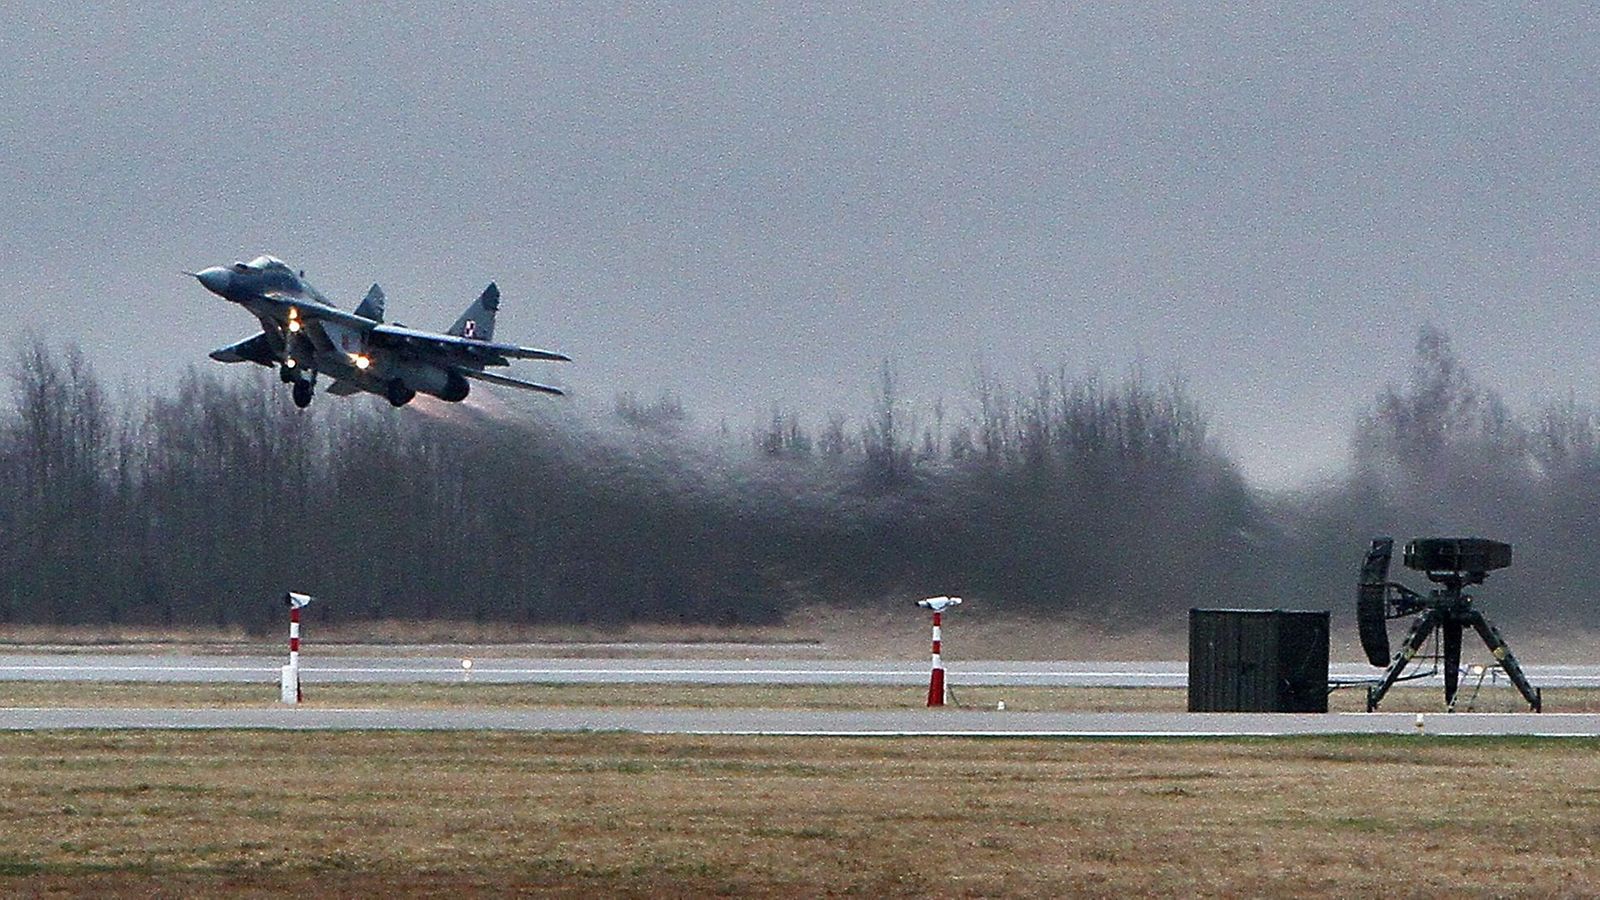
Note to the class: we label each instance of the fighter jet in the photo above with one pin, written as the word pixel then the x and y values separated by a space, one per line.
pixel 303 335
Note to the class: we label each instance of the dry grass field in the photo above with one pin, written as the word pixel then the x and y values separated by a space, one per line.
pixel 361 814
pixel 463 814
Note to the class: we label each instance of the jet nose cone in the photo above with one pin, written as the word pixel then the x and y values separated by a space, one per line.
pixel 215 279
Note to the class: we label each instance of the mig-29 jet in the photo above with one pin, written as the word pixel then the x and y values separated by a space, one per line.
pixel 303 335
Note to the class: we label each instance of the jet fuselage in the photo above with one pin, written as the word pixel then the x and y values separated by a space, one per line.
pixel 304 335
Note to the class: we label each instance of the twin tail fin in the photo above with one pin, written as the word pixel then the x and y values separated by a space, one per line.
pixel 477 323
pixel 372 305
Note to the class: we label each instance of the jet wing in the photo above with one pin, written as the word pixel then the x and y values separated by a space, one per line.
pixel 508 381
pixel 486 350
pixel 259 349
pixel 325 313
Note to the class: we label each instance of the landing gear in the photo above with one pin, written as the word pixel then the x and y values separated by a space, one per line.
pixel 455 389
pixel 397 393
pixel 302 394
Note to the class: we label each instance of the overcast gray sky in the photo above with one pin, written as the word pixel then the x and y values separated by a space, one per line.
pixel 755 206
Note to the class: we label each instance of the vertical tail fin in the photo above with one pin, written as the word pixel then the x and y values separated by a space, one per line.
pixel 477 323
pixel 372 305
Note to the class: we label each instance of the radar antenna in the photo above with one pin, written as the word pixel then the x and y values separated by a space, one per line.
pixel 1453 564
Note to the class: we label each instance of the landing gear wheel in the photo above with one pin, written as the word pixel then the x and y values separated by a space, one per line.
pixel 302 394
pixel 285 374
pixel 398 394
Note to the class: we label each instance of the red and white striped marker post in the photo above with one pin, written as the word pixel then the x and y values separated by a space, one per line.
pixel 936 689
pixel 289 686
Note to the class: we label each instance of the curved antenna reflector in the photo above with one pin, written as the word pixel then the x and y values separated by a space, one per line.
pixel 1371 612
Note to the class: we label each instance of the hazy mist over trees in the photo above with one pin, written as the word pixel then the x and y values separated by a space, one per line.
pixel 1444 455
pixel 1103 498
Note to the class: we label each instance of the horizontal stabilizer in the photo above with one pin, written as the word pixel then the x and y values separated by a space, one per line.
pixel 259 349
pixel 508 381
pixel 516 352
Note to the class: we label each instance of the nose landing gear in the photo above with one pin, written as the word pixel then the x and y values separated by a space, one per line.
pixel 301 392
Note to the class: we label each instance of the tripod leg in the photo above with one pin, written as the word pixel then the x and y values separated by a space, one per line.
pixel 1452 661
pixel 1502 654
pixel 1420 630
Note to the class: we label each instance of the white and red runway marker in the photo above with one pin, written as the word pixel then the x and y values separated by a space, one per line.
pixel 289 684
pixel 936 688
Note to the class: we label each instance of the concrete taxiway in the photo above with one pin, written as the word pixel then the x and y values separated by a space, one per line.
pixel 861 723
pixel 330 667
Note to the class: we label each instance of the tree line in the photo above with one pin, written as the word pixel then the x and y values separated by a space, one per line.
pixel 1104 498
pixel 1444 455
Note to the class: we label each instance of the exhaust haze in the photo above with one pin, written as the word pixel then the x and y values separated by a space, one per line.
pixel 756 208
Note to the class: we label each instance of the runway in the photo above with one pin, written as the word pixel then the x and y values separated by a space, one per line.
pixel 330 667
pixel 407 669
pixel 865 723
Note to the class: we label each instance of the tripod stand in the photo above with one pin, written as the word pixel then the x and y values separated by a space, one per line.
pixel 1447 609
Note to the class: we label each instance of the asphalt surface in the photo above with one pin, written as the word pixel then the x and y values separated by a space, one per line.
pixel 327 668
pixel 315 667
pixel 945 722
